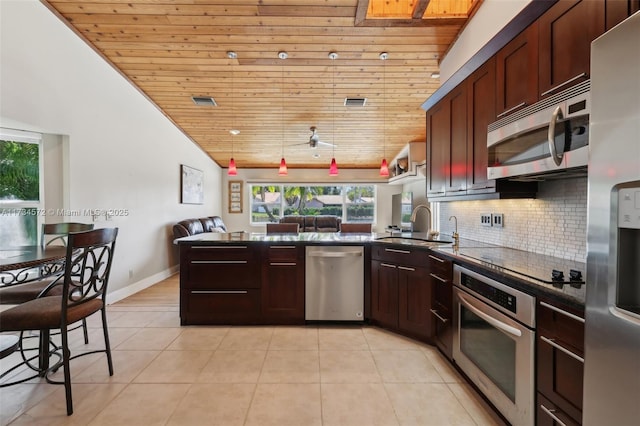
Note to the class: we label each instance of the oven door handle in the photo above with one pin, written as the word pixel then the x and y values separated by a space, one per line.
pixel 506 328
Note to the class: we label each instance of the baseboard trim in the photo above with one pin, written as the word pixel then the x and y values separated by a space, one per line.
pixel 132 289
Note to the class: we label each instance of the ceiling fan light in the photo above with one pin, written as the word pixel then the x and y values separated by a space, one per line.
pixel 282 171
pixel 333 168
pixel 232 167
pixel 384 168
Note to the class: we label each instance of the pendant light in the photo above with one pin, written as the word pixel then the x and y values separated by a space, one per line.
pixel 333 167
pixel 384 167
pixel 232 171
pixel 282 171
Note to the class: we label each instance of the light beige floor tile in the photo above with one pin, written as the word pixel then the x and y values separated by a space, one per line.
pixel 291 367
pixel 233 367
pixel 134 319
pixel 95 320
pixel 479 410
pixel 405 367
pixel 116 337
pixel 356 404
pixel 427 404
pixel 442 365
pixel 78 365
pixel 88 401
pixel 379 339
pixel 174 367
pixel 199 339
pixel 247 338
pixel 294 338
pixel 142 404
pixel 285 404
pixel 126 366
pixel 17 399
pixel 214 404
pixel 166 319
pixel 342 338
pixel 348 367
pixel 150 339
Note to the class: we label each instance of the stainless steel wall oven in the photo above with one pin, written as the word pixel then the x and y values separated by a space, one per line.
pixel 494 342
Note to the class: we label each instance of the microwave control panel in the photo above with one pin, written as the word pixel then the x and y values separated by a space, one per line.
pixel 629 208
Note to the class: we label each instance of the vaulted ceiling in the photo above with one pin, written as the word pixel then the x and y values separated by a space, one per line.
pixel 173 50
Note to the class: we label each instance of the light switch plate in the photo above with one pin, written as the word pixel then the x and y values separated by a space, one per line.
pixel 497 220
pixel 485 219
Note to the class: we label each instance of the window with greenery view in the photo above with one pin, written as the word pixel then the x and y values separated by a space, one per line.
pixel 20 189
pixel 352 203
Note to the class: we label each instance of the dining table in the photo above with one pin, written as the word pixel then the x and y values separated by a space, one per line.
pixel 23 264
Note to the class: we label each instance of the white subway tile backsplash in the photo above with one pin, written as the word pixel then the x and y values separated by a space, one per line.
pixel 555 223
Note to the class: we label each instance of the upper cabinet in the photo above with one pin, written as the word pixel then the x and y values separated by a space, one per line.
pixel 515 85
pixel 565 34
pixel 618 10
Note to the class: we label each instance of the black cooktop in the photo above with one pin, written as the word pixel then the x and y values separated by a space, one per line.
pixel 545 269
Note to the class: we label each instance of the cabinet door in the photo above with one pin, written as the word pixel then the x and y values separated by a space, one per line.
pixel 566 31
pixel 516 77
pixel 440 274
pixel 283 285
pixel 438 141
pixel 457 167
pixel 549 414
pixel 384 294
pixel 481 96
pixel 414 294
pixel 618 10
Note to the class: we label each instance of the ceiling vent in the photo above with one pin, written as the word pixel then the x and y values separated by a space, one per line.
pixel 204 101
pixel 355 102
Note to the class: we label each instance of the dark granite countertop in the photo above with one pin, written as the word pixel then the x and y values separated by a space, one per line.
pixel 525 271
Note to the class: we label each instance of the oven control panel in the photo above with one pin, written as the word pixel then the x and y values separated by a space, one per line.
pixel 488 291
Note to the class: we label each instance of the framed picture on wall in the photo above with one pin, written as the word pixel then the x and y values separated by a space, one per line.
pixel 235 196
pixel 192 185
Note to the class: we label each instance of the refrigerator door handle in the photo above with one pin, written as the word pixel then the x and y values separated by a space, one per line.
pixel 625 315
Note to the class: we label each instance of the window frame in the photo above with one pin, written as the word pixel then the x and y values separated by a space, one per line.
pixel 282 205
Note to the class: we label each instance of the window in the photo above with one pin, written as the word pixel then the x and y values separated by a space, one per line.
pixel 352 203
pixel 20 188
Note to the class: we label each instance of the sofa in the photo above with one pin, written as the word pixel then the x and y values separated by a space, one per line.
pixel 197 226
pixel 322 223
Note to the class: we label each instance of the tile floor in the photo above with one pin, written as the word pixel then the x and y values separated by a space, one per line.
pixel 316 375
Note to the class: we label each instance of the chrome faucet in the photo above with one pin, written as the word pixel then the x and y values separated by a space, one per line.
pixel 455 235
pixel 414 213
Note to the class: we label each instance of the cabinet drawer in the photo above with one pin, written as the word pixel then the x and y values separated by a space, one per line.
pixel 239 306
pixel 284 253
pixel 440 269
pixel 222 274
pixel 548 414
pixel 399 254
pixel 222 252
pixel 559 323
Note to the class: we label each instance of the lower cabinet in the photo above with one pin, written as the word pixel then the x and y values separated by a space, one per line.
pixel 283 284
pixel 560 364
pixel 401 291
pixel 441 278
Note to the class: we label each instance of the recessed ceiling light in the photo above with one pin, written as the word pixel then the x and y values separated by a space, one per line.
pixel 204 101
pixel 234 132
pixel 435 75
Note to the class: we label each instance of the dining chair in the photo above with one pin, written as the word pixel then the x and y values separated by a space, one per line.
pixel 52 234
pixel 84 286
pixel 355 228
pixel 282 228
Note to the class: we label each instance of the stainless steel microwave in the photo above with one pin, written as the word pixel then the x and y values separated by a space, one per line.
pixel 549 139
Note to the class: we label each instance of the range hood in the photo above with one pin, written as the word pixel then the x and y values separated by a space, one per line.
pixel 409 165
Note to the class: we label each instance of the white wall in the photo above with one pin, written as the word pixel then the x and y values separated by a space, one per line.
pixel 490 18
pixel 122 152
pixel 241 221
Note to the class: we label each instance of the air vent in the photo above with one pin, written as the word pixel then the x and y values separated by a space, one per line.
pixel 204 101
pixel 354 102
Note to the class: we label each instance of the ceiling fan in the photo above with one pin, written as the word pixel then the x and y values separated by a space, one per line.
pixel 314 140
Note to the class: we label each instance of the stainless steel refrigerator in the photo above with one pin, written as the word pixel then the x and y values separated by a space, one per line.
pixel 612 334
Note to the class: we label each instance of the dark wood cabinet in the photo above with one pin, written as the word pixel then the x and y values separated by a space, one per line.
pixel 617 11
pixel 516 76
pixel 282 291
pixel 481 95
pixel 560 363
pixel 566 31
pixel 219 284
pixel 438 141
pixel 441 279
pixel 400 291
pixel 456 178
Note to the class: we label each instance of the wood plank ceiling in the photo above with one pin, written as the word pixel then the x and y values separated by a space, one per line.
pixel 175 49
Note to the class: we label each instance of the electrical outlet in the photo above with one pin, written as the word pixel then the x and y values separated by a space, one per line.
pixel 497 220
pixel 485 219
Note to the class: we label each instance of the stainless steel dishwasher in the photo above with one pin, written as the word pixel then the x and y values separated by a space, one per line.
pixel 334 283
